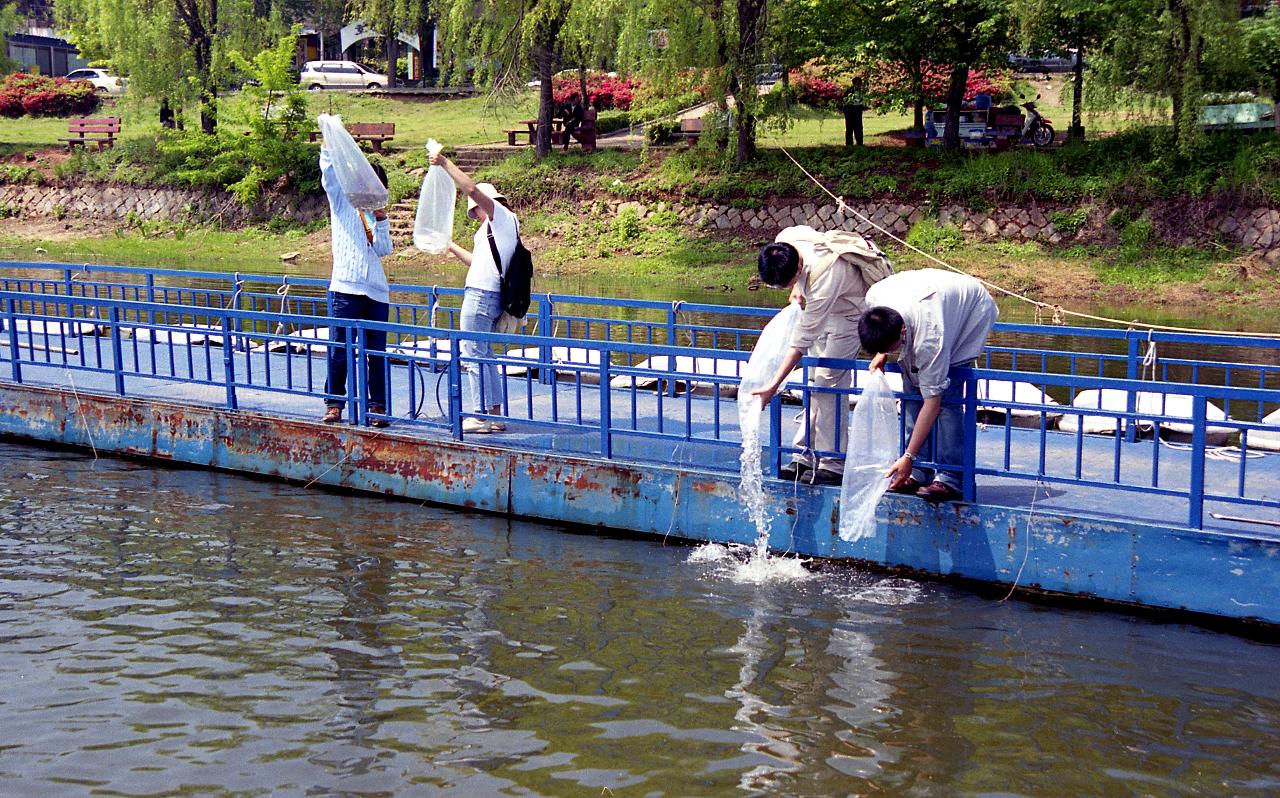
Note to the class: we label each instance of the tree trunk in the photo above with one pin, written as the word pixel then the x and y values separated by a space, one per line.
pixel 955 98
pixel 582 84
pixel 545 59
pixel 918 114
pixel 1077 96
pixel 751 21
pixel 392 47
pixel 1275 99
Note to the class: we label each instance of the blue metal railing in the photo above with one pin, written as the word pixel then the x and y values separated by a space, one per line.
pixel 110 329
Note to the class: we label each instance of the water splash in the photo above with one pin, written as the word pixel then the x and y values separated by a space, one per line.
pixel 744 564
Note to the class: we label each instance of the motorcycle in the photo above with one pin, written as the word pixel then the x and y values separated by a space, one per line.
pixel 1036 128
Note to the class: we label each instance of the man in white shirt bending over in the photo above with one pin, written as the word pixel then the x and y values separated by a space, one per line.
pixel 934 320
pixel 828 274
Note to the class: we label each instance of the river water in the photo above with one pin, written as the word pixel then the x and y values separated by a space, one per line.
pixel 178 632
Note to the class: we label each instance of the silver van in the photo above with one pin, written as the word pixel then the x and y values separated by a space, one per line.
pixel 339 75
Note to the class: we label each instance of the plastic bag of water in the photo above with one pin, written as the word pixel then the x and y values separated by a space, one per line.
pixel 873 449
pixel 765 360
pixel 770 349
pixel 356 177
pixel 433 224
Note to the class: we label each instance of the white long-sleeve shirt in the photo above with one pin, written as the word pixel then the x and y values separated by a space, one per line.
pixel 947 318
pixel 357 262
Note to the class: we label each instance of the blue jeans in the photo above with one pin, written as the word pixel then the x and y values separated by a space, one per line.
pixel 356 306
pixel 483 387
pixel 945 443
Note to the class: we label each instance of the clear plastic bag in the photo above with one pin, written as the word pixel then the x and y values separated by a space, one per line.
pixel 433 224
pixel 769 351
pixel 873 449
pixel 356 177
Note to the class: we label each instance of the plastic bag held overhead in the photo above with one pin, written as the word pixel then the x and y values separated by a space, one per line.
pixel 356 177
pixel 873 449
pixel 433 224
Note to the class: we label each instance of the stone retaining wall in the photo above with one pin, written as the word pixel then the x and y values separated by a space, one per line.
pixel 115 202
pixel 1257 229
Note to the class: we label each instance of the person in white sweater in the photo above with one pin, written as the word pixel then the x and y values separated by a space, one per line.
pixel 935 320
pixel 357 290
pixel 828 273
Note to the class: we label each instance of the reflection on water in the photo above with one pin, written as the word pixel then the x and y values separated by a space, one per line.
pixel 181 632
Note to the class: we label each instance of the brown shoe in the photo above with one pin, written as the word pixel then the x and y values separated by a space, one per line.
pixel 332 415
pixel 377 409
pixel 936 492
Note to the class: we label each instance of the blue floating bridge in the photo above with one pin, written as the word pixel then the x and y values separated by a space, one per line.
pixel 1119 466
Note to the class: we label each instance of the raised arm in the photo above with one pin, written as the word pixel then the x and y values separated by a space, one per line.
pixel 464 183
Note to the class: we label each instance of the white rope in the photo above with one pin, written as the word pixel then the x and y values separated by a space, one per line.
pixel 1058 311
pixel 84 421
pixel 1026 545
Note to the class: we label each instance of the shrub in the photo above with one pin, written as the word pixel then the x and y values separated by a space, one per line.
pixel 661 132
pixel 37 95
pixel 1069 223
pixel 928 236
pixel 815 90
pixel 603 91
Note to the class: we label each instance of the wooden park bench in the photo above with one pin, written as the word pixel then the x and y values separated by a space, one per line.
pixel 690 130
pixel 373 132
pixel 98 130
pixel 530 130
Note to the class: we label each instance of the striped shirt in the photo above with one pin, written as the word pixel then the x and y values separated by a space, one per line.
pixel 357 263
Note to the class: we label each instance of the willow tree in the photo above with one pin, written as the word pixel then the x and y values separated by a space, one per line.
pixel 1262 44
pixel 1076 26
pixel 388 18
pixel 500 43
pixel 1168 48
pixel 173 51
pixel 725 37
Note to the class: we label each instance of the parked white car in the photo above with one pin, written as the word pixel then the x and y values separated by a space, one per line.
pixel 339 75
pixel 103 82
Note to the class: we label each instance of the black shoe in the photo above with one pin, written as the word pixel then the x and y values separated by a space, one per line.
pixel 793 471
pixel 937 492
pixel 824 477
pixel 911 487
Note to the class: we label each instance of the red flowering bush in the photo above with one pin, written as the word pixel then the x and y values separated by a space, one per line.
pixel 815 90
pixel 603 91
pixel 892 81
pixel 37 95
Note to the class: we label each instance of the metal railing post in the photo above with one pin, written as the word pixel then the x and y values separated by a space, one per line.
pixel 349 342
pixel 606 409
pixel 1131 400
pixel 117 349
pixel 969 487
pixel 455 388
pixel 11 324
pixel 775 435
pixel 1195 495
pixel 545 329
pixel 229 364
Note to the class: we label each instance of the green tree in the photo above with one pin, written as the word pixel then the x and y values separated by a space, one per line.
pixel 1262 47
pixel 1077 26
pixel 171 50
pixel 500 42
pixel 8 25
pixel 389 18
pixel 1171 48
pixel 967 33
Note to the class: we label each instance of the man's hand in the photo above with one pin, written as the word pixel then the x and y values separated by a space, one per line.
pixel 877 363
pixel 797 295
pixel 766 395
pixel 900 473
pixel 437 159
pixel 380 214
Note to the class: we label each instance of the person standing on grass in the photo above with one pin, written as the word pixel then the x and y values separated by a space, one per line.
pixel 852 105
pixel 935 320
pixel 828 274
pixel 357 290
pixel 492 247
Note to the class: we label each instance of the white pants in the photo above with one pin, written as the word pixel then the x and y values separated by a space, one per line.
pixel 827 428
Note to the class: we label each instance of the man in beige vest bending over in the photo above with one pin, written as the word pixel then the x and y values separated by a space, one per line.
pixel 828 274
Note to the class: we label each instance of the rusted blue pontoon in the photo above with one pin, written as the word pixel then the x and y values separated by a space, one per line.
pixel 1156 489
